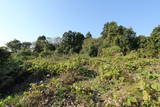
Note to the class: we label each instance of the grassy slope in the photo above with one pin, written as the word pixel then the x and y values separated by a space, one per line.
pixel 83 81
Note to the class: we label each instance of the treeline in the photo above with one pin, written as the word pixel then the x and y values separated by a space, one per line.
pixel 75 42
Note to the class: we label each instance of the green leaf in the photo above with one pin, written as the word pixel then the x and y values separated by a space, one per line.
pixel 146 96
pixel 155 86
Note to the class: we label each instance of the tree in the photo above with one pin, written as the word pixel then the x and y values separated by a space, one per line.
pixel 78 42
pixel 92 46
pixel 155 40
pixel 156 34
pixel 26 45
pixel 142 41
pixel 88 35
pixel 4 55
pixel 128 41
pixel 109 30
pixel 72 42
pixel 42 38
pixel 14 45
pixel 41 44
pixel 123 37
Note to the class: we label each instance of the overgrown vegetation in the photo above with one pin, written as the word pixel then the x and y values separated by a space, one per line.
pixel 117 69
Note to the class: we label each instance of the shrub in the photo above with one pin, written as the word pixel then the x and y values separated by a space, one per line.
pixel 112 51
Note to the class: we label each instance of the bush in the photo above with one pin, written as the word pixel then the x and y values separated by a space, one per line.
pixel 112 51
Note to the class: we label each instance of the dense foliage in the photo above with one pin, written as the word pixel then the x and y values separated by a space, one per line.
pixel 117 69
pixel 4 55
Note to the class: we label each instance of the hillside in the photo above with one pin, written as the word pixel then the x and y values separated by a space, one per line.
pixel 83 81
pixel 119 69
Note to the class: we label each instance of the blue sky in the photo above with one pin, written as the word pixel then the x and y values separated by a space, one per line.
pixel 27 19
